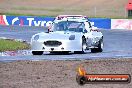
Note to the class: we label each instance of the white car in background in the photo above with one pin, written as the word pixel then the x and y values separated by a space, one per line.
pixel 68 33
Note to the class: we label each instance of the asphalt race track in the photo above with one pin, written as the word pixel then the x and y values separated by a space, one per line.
pixel 117 44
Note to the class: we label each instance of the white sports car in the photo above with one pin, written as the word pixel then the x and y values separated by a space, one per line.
pixel 68 33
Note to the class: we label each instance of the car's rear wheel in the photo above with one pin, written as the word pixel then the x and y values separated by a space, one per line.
pixel 100 46
pixel 37 52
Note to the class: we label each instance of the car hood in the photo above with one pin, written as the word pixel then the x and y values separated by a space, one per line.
pixel 58 35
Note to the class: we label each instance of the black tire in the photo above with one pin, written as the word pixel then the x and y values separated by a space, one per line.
pixel 99 49
pixel 83 42
pixel 37 52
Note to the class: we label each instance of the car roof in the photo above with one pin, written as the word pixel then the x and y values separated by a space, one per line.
pixel 79 18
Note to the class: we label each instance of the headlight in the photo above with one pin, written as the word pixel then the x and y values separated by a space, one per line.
pixel 72 37
pixel 36 37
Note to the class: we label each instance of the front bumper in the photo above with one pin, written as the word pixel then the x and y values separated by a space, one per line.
pixel 67 45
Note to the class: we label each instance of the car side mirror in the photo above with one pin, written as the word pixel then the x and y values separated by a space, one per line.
pixel 48 29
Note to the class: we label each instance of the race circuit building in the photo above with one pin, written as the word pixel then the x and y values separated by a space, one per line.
pixel 129 8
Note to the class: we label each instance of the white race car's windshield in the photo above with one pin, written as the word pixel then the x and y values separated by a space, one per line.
pixel 68 26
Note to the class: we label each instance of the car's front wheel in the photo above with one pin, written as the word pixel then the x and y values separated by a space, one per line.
pixel 37 52
pixel 84 46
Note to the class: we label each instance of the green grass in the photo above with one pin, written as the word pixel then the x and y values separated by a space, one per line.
pixel 23 14
pixel 54 15
pixel 10 45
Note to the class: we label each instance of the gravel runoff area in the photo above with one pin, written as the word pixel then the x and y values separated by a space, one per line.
pixel 60 74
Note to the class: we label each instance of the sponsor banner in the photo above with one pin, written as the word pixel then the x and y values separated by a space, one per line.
pixel 25 20
pixel 102 23
pixel 121 24
pixel 2 21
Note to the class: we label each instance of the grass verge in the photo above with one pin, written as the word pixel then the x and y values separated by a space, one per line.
pixel 25 14
pixel 10 45
pixel 55 14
